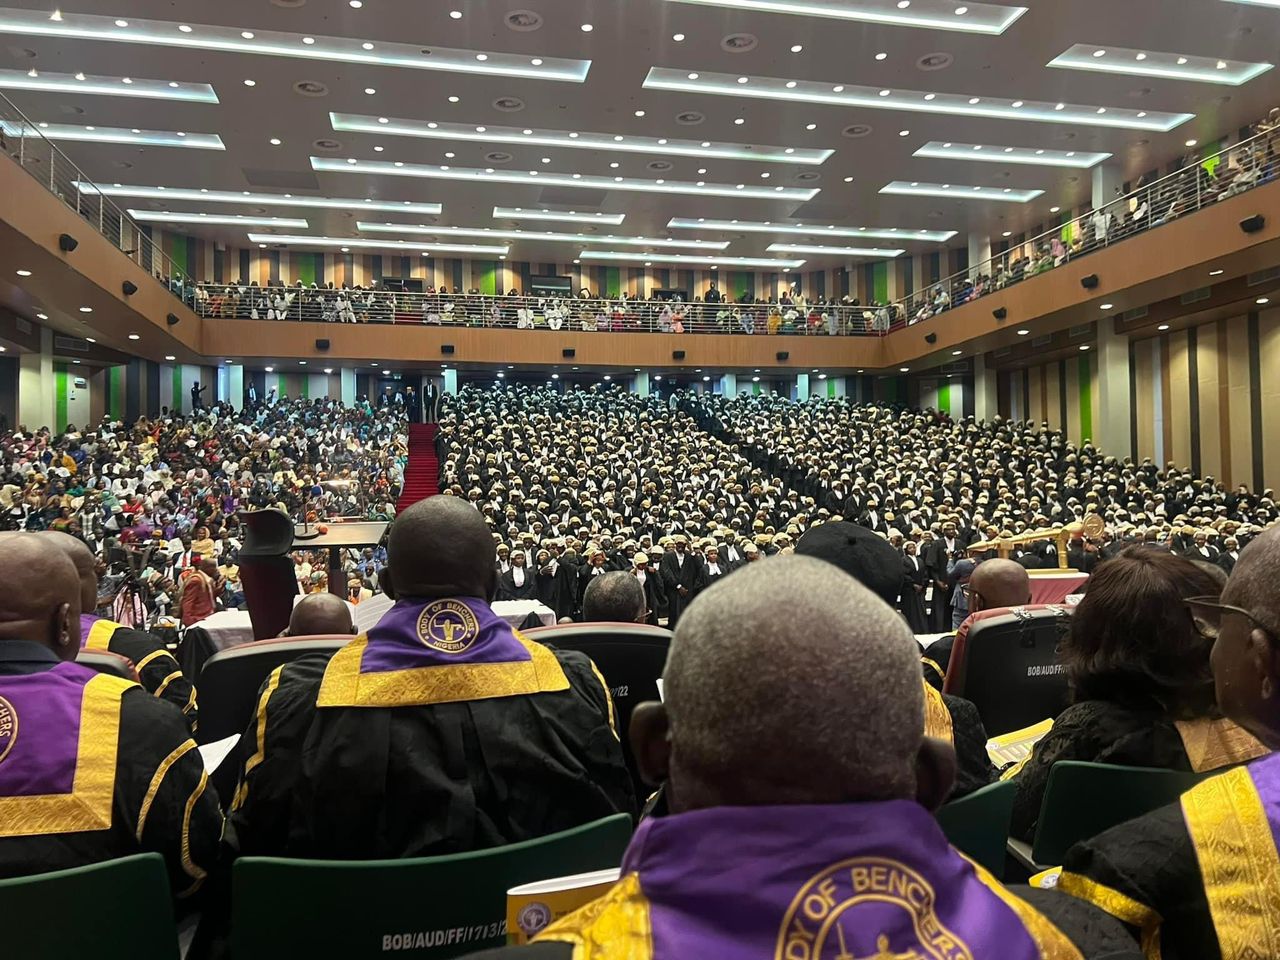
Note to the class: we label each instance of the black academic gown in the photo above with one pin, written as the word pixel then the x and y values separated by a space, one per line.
pixel 708 579
pixel 158 671
pixel 507 589
pixel 914 575
pixel 676 576
pixel 654 598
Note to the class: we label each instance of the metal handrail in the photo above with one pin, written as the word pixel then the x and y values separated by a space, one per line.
pixel 621 315
pixel 1249 163
pixel 22 140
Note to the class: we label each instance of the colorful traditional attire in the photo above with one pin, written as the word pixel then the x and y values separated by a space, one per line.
pixel 1196 879
pixel 92 768
pixel 440 730
pixel 859 881
pixel 157 669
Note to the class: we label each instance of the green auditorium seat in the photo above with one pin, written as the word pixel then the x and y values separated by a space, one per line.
pixel 1084 799
pixel 422 908
pixel 978 825
pixel 117 910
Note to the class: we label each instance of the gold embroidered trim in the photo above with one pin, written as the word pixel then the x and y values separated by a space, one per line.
pixel 1122 907
pixel 1052 942
pixel 615 927
pixel 1238 863
pixel 157 779
pixel 937 718
pixel 1214 744
pixel 345 686
pixel 100 635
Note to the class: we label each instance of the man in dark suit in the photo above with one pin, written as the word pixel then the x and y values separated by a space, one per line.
pixel 679 570
pixel 1227 559
pixel 941 551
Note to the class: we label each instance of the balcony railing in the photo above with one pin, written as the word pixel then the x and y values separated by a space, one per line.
pixel 1238 168
pixel 21 139
pixel 619 315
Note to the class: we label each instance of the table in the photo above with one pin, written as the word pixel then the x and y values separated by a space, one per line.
pixel 339 537
pixel 515 612
pixel 228 628
pixel 1054 587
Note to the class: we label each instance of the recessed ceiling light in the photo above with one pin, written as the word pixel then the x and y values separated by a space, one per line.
pixel 639 113
pixel 453 99
pixel 904 133
pixel 919 189
pixel 170 356
pixel 103 85
pixel 45 316
pixel 1023 333
pixel 1262 300
pixel 796 47
pixel 848 179
pixel 86 309
pixel 1105 306
pixel 218 219
pixel 1024 155
pixel 134 336
pixel 771 88
pixel 89 134
pixel 274 141
pixel 961 11
pixel 678 37
pixel 122 23
pixel 1054 209
pixel 455 14
pixel 1084 346
pixel 1007 233
pixel 1147 63
pixel 1191 143
pixel 882 56
pixel 587 28
pixel 251 83
pixel 355 4
pixel 184 28
pixel 1215 273
pixel 428 171
pixel 247 34
pixel 1163 327
pixel 77 361
pixel 811 126
pixel 254 199
pixel 24 273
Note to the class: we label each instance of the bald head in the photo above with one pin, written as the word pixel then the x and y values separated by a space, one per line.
pixel 85 563
pixel 440 547
pixel 998 583
pixel 318 614
pixel 41 599
pixel 792 683
pixel 1252 584
pixel 615 597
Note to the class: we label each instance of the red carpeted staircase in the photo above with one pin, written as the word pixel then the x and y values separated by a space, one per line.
pixel 422 473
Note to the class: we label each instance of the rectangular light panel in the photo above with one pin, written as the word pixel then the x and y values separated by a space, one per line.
pixel 834 251
pixel 274 43
pixel 216 220
pixel 928 14
pixel 613 256
pixel 1104 58
pixel 537 178
pixel 559 216
pixel 106 86
pixel 800 230
pixel 547 236
pixel 92 134
pixel 959 191
pixel 204 195
pixel 605 142
pixel 402 245
pixel 918 101
pixel 987 153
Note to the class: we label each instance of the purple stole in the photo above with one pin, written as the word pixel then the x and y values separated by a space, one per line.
pixel 59 731
pixel 96 632
pixel 1234 823
pixel 438 651
pixel 864 881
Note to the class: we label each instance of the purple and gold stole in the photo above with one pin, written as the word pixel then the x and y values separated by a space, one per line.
pixel 1234 823
pixel 865 881
pixel 59 731
pixel 95 631
pixel 438 651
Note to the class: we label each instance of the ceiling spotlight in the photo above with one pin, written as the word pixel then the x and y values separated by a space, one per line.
pixel 811 126
pixel 24 273
pixel 904 133
pixel 134 336
pixel 1215 273
pixel 961 11
pixel 453 99
pixel 796 48
pixel 122 23
pixel 45 316
pixel 274 141
pixel 1106 306
pixel 639 113
pixel 1084 346
pixel 900 370
pixel 355 4
pixel 1163 327
pixel 1023 333
pixel 1054 209
pixel 678 37
pixel 848 179
pixel 455 14
pixel 247 34
pixel 739 121
pixel 1262 300
pixel 170 356
pixel 251 83
pixel 86 309
pixel 370 90
pixel 184 29
pixel 308 40
pixel 587 28
pixel 1007 233
pixel 882 56
pixel 1191 143
pixel 956 353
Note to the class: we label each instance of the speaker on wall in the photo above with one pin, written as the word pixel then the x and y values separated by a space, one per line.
pixel 172 319
pixel 1089 282
pixel 322 344
pixel 1253 224
pixel 568 353
pixel 446 349
pixel 677 354
pixel 999 313
pixel 930 338
pixel 67 243
pixel 128 288
pixel 783 355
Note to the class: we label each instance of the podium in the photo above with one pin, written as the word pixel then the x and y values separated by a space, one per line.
pixel 339 537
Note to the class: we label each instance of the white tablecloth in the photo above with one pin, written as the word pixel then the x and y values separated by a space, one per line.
pixel 227 628
pixel 513 611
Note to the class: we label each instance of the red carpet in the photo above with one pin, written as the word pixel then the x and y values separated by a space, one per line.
pixel 422 473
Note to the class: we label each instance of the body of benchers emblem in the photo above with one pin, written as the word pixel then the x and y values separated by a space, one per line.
pixel 8 728
pixel 448 626
pixel 867 908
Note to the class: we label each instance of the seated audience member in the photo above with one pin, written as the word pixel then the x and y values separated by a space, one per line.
pixel 319 615
pixel 92 767
pixel 1199 878
pixel 157 668
pixel 1141 685
pixel 801 788
pixel 518 583
pixel 616 597
pixel 199 592
pixel 993 584
pixel 872 562
pixel 440 730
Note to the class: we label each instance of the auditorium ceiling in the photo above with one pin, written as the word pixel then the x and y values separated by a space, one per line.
pixel 749 134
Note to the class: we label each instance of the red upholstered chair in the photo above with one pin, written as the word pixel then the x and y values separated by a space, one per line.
pixel 1005 660
pixel 630 656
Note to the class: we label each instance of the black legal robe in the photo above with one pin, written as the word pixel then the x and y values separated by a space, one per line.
pixel 914 575
pixel 507 589
pixel 676 576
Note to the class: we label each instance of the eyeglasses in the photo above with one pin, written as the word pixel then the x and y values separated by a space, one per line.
pixel 1207 614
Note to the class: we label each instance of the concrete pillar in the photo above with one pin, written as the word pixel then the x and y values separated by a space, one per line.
pixel 641 382
pixel 979 254
pixel 1108 178
pixel 729 384
pixel 348 376
pixel 986 394
pixel 451 380
pixel 236 385
pixel 1111 419
pixel 802 387
pixel 318 386
pixel 37 391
